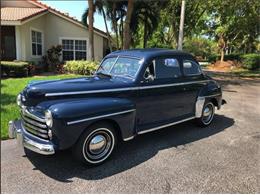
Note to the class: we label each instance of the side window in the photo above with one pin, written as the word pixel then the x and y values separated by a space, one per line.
pixel 191 68
pixel 167 68
pixel 150 71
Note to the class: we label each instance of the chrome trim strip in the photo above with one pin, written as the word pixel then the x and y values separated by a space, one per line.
pixel 27 113
pixel 87 92
pixel 199 106
pixel 164 126
pixel 128 138
pixel 122 89
pixel 98 117
pixel 171 85
pixel 214 95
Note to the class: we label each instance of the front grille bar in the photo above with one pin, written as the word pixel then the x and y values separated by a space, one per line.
pixel 35 132
pixel 27 113
pixel 34 124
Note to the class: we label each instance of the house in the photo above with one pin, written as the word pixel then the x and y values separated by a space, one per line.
pixel 29 28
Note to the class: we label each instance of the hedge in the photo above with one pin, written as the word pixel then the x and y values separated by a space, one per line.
pixel 214 58
pixel 80 67
pixel 18 68
pixel 251 61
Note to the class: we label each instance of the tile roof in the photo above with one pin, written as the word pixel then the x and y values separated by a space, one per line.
pixel 63 14
pixel 19 13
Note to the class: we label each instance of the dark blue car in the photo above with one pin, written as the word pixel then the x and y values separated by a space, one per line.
pixel 132 92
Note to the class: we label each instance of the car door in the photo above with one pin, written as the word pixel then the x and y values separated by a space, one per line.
pixel 160 100
pixel 193 81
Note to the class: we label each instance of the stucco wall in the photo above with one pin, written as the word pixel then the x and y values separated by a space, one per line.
pixel 38 24
pixel 54 28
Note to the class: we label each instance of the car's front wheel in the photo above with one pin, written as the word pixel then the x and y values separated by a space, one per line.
pixel 96 144
pixel 207 116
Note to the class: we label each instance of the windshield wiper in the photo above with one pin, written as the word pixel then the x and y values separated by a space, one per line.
pixel 104 74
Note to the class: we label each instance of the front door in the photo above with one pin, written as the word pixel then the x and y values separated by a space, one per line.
pixel 8 48
pixel 161 98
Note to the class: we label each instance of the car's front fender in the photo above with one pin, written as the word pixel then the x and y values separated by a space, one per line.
pixel 72 117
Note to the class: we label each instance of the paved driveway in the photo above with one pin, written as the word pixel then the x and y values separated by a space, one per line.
pixel 222 158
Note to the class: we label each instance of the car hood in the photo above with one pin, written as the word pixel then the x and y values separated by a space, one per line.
pixel 40 89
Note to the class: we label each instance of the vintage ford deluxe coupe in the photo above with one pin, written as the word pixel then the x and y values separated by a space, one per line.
pixel 131 93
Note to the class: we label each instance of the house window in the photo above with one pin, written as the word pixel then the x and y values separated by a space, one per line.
pixel 36 43
pixel 74 49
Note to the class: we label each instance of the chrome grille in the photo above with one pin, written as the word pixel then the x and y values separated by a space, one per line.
pixel 34 124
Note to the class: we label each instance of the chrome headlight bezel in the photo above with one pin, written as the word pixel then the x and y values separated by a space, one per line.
pixel 19 100
pixel 48 118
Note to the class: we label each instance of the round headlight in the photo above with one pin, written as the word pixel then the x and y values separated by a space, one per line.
pixel 48 118
pixel 19 100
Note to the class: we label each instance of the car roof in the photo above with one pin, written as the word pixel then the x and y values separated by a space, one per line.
pixel 147 53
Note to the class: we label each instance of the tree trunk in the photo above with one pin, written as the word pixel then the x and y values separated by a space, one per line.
pixel 108 34
pixel 145 33
pixel 222 45
pixel 222 54
pixel 127 30
pixel 122 31
pixel 91 30
pixel 114 22
pixel 180 40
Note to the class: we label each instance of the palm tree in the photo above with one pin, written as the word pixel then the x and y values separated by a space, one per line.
pixel 99 7
pixel 115 13
pixel 146 14
pixel 91 29
pixel 127 30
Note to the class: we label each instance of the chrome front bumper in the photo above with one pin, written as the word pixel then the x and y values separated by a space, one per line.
pixel 29 141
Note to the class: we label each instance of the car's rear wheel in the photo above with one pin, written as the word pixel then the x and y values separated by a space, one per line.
pixel 96 144
pixel 207 116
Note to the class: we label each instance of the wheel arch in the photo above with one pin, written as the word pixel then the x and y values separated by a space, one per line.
pixel 108 121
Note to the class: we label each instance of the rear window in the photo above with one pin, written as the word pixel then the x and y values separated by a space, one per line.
pixel 191 68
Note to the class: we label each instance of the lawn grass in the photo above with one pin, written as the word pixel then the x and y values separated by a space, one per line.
pixel 9 91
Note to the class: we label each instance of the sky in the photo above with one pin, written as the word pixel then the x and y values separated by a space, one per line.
pixel 75 8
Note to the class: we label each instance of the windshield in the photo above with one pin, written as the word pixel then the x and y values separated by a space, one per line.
pixel 120 66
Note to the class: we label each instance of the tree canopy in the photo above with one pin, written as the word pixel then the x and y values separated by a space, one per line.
pixel 216 25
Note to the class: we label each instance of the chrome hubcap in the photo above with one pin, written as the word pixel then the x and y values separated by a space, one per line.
pixel 97 144
pixel 208 113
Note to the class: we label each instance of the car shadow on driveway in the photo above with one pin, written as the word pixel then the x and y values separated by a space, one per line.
pixel 63 167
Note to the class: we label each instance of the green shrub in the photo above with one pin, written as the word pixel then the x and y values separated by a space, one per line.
pixel 52 58
pixel 80 67
pixel 251 61
pixel 214 57
pixel 15 67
